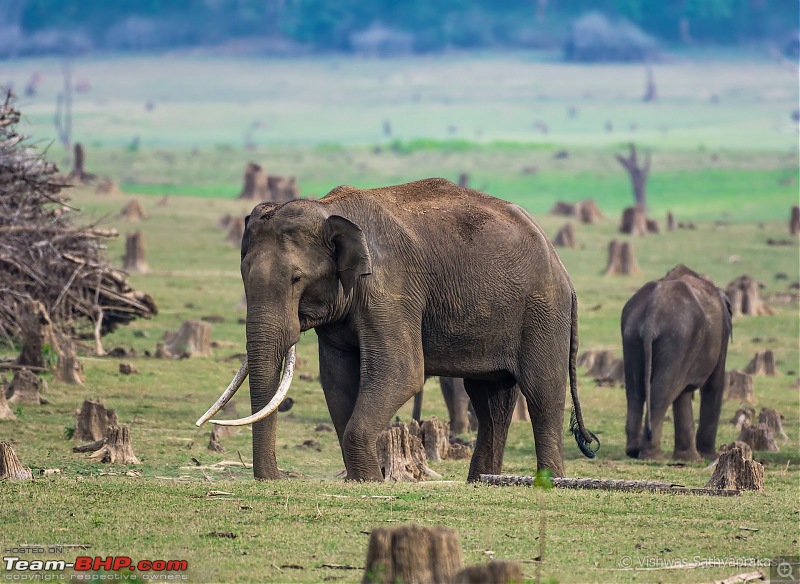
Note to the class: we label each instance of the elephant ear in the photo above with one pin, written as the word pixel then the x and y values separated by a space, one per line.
pixel 350 251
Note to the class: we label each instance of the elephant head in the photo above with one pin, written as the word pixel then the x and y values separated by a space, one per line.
pixel 299 266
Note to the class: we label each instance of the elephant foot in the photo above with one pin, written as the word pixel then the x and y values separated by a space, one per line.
pixel 270 475
pixel 687 455
pixel 709 455
pixel 632 451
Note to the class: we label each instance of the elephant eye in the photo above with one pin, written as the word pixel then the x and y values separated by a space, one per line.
pixel 296 278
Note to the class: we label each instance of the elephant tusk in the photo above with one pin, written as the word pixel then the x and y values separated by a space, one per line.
pixel 226 396
pixel 283 389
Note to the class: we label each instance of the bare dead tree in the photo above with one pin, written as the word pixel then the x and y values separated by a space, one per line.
pixel 638 173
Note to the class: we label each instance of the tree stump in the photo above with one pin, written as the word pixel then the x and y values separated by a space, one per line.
pixel 652 226
pixel 494 572
pixel 670 221
pixel 588 212
pixel 597 362
pixel 463 180
pixel 774 421
pixel 563 208
pixel 794 222
pixel 281 189
pixel 93 420
pixel 37 332
pixel 114 448
pixel 613 375
pixel 133 211
pixel 739 387
pixel 255 183
pixel 106 186
pixel 401 455
pixel 758 437
pixel 412 554
pixel 633 221
pixel 637 172
pixel 745 298
pixel 133 261
pixel 762 364
pixel 520 409
pixel 193 339
pixel 78 174
pixel 68 368
pixel 213 440
pixel 621 260
pixel 5 411
pixel 10 467
pixel 435 437
pixel 235 231
pixel 565 237
pixel 743 416
pixel 736 469
pixel 25 388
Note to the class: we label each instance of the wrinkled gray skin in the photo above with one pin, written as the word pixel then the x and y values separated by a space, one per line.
pixel 401 282
pixel 457 401
pixel 675 335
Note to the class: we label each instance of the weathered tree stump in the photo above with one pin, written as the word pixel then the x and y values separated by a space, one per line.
pixel 463 180
pixel 794 222
pixel 114 448
pixel 745 298
pixel 621 259
pixel 652 226
pixel 106 186
pixel 133 211
pixel 739 387
pixel 68 368
pixel 494 572
pixel 133 261
pixel 435 437
pixel 255 183
pixel 412 554
pixel 93 420
pixel 520 409
pixel 758 437
pixel 588 212
pixel 762 364
pixel 26 388
pixel 743 416
pixel 401 455
pixel 5 411
pixel 235 231
pixel 736 469
pixel 10 467
pixel 633 221
pixel 670 221
pixel 597 362
pixel 613 375
pixel 772 419
pixel 42 347
pixel 564 208
pixel 213 440
pixel 565 237
pixel 78 174
pixel 193 339
pixel 282 189
pixel 638 174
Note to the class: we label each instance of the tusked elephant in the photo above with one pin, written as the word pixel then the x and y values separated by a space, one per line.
pixel 400 282
pixel 675 335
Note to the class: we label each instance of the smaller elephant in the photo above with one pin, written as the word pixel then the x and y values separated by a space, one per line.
pixel 459 408
pixel 675 335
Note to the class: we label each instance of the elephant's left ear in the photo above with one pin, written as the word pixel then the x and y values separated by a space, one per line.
pixel 350 251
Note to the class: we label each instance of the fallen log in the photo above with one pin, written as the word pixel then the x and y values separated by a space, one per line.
pixel 606 485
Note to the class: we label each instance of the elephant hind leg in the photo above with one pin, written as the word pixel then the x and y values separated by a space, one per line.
pixel 684 428
pixel 494 406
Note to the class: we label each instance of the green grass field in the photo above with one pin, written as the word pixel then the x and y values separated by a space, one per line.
pixel 729 167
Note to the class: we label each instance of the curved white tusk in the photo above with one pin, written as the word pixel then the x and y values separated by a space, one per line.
pixel 226 396
pixel 283 389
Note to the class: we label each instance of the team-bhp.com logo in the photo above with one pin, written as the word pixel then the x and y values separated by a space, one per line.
pixel 94 564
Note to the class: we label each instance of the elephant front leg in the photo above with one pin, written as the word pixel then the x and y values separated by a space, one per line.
pixel 684 428
pixel 339 375
pixel 390 375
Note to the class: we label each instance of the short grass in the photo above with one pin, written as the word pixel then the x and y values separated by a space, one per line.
pixel 737 193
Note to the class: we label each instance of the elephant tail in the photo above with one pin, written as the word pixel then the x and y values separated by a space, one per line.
pixel 648 372
pixel 582 436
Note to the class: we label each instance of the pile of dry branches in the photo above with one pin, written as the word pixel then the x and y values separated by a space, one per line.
pixel 43 256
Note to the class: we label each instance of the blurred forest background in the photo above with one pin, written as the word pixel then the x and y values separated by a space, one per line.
pixel 634 28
